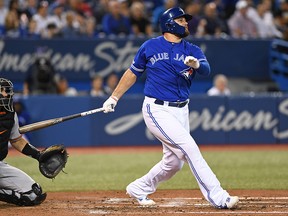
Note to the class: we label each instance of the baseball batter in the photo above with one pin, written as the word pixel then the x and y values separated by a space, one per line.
pixel 171 64
pixel 15 186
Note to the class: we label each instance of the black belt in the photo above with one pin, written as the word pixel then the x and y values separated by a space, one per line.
pixel 172 104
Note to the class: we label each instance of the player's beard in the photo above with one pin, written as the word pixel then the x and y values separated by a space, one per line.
pixel 187 32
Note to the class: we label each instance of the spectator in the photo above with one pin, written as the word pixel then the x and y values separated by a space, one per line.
pixel 72 27
pixel 140 23
pixel 63 87
pixel 228 8
pixel 264 20
pixel 57 16
pixel 114 23
pixel 80 22
pixel 51 31
pixel 157 13
pixel 42 17
pixel 80 7
pixel 111 83
pixel 151 5
pixel 12 20
pixel 240 25
pixel 194 9
pixel 90 28
pixel 220 86
pixel 41 76
pixel 100 8
pixel 97 87
pixel 280 24
pixel 30 8
pixel 283 10
pixel 210 24
pixel 31 31
pixel 81 10
pixel 124 7
pixel 221 9
pixel 3 13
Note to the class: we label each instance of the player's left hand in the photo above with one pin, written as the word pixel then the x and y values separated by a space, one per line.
pixel 192 62
pixel 110 104
pixel 52 160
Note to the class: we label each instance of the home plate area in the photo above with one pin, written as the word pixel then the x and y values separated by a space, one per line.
pixel 169 203
pixel 190 206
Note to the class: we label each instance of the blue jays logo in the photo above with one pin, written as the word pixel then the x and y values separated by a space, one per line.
pixel 187 73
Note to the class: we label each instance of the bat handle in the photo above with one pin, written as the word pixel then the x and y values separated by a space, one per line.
pixel 92 111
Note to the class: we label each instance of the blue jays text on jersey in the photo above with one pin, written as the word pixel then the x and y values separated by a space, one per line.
pixel 162 56
pixel 168 78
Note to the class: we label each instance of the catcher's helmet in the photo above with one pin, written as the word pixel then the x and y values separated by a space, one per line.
pixel 7 100
pixel 168 24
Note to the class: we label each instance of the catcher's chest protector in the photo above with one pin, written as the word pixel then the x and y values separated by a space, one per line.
pixel 6 125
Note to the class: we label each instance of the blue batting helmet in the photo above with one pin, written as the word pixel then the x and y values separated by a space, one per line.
pixel 168 24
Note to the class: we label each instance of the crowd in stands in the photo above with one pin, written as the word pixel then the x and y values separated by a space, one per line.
pixel 41 78
pixel 90 19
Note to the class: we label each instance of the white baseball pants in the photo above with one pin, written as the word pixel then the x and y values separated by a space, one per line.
pixel 170 125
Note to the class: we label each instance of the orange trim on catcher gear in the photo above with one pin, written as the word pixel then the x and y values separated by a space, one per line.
pixel 1 132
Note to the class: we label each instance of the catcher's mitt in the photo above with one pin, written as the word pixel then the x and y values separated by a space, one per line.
pixel 52 160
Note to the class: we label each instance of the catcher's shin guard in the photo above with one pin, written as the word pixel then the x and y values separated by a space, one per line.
pixel 29 198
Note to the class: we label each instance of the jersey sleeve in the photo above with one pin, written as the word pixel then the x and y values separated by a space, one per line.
pixel 138 65
pixel 197 53
pixel 204 68
pixel 15 130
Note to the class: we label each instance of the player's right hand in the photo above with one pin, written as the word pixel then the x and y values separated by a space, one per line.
pixel 110 104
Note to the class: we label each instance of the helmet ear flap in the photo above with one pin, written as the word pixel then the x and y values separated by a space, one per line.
pixel 169 25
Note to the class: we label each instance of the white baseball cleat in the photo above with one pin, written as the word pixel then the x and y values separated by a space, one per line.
pixel 146 202
pixel 231 202
pixel 143 201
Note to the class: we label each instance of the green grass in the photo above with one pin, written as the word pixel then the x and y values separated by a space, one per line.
pixel 235 170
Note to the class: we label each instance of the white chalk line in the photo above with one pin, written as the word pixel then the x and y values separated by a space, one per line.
pixel 178 202
pixel 183 201
pixel 251 200
pixel 228 212
pixel 100 212
pixel 178 198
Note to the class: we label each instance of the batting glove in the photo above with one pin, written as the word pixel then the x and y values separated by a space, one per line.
pixel 192 62
pixel 110 104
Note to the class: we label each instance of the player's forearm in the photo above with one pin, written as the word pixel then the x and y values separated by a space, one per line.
pixel 24 147
pixel 126 81
pixel 19 143
pixel 204 68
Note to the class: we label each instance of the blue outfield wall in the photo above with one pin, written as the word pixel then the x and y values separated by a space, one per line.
pixel 213 121
pixel 78 60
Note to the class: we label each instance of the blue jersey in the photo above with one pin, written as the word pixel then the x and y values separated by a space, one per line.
pixel 168 78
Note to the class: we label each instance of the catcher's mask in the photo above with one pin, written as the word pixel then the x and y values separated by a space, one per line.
pixel 6 94
pixel 168 24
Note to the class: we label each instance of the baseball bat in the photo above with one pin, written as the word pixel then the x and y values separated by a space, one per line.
pixel 50 122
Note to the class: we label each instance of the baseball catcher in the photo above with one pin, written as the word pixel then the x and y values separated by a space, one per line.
pixel 15 185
